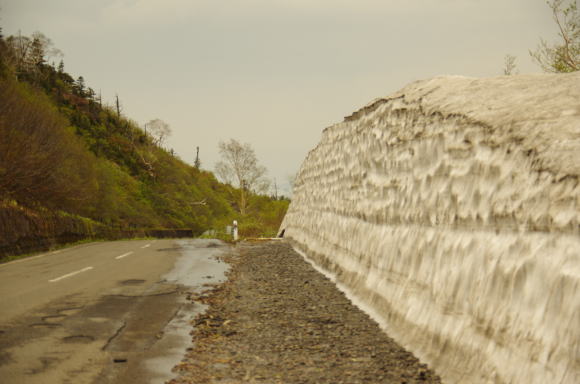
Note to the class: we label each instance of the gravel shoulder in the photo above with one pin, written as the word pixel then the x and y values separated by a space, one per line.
pixel 277 320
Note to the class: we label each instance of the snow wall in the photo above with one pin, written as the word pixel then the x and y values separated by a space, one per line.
pixel 451 209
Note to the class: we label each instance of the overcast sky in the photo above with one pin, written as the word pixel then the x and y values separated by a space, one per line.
pixel 273 73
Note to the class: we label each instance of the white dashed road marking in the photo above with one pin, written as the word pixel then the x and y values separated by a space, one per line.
pixel 146 246
pixel 123 255
pixel 70 274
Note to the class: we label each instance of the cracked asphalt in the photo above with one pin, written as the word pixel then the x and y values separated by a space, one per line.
pixel 101 312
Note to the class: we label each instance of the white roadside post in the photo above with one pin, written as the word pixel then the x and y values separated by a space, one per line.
pixel 235 230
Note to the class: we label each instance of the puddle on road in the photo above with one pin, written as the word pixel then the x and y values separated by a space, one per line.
pixel 197 266
pixel 198 262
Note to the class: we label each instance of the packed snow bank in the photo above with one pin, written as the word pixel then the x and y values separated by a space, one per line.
pixel 452 209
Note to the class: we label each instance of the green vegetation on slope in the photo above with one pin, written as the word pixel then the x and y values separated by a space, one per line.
pixel 62 150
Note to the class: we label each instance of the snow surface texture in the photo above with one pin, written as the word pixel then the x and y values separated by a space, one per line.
pixel 452 209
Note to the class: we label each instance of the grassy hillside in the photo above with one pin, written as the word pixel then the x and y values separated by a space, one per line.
pixel 62 150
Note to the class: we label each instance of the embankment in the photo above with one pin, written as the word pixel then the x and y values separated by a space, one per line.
pixel 24 230
pixel 452 209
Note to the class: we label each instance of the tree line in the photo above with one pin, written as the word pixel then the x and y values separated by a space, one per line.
pixel 63 149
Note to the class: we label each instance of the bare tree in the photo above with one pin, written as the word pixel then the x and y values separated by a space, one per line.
pixel 275 188
pixel 197 162
pixel 509 65
pixel 117 105
pixel 292 180
pixel 30 52
pixel 565 55
pixel 159 130
pixel 43 49
pixel 20 47
pixel 239 167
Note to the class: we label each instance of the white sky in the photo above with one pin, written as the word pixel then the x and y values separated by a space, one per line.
pixel 273 73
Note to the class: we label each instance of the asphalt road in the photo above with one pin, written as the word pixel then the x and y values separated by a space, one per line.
pixel 97 313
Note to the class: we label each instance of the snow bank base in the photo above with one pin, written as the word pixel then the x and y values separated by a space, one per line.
pixel 452 209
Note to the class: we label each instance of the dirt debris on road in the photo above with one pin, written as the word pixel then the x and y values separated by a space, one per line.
pixel 277 320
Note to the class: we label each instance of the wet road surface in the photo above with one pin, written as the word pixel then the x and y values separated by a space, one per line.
pixel 111 312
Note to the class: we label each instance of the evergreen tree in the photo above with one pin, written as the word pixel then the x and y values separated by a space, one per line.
pixel 80 84
pixel 90 93
pixel 36 52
